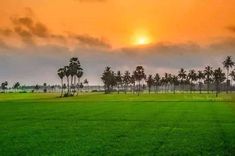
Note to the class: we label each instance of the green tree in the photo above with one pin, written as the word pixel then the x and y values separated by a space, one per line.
pixel 228 63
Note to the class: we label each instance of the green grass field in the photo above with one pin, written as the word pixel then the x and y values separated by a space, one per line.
pixel 98 124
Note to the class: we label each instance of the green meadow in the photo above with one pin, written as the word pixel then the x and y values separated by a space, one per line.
pixel 99 124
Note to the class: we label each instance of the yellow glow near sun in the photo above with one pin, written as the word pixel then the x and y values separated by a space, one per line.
pixel 142 40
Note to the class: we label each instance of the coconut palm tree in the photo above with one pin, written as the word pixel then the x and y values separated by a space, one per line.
pixel 61 74
pixel 156 81
pixel 228 63
pixel 139 76
pixel 208 72
pixel 175 82
pixel 200 77
pixel 218 77
pixel 150 82
pixel 192 78
pixel 126 80
pixel 182 77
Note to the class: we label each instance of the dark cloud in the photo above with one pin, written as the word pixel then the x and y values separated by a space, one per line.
pixel 5 31
pixel 92 41
pixel 231 28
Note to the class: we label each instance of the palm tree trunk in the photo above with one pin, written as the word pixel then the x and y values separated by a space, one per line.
pixel 68 84
pixel 227 81
pixel 61 88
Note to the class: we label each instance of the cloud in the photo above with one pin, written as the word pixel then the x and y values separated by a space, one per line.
pixel 19 64
pixel 5 31
pixel 3 45
pixel 231 28
pixel 90 41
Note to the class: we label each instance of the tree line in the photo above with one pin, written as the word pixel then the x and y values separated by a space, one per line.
pixel 208 76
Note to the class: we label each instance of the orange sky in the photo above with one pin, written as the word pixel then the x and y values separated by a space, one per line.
pixel 122 22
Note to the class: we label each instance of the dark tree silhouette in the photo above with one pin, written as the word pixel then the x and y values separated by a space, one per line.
pixel 192 78
pixel 218 77
pixel 182 76
pixel 157 81
pixel 126 80
pixel 16 86
pixel 108 78
pixel 86 82
pixel 175 82
pixel 139 76
pixel 232 74
pixel 200 77
pixel 119 81
pixel 150 82
pixel 4 86
pixel 61 74
pixel 208 72
pixel 228 63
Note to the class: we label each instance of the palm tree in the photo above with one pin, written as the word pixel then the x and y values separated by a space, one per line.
pixel 139 76
pixel 175 82
pixel 218 77
pixel 192 77
pixel 200 77
pixel 132 81
pixel 232 74
pixel 16 86
pixel 67 74
pixel 61 74
pixel 118 80
pixel 182 76
pixel 126 80
pixel 208 72
pixel 228 63
pixel 79 74
pixel 156 81
pixel 150 82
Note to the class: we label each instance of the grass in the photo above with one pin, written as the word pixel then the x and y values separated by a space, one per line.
pixel 98 124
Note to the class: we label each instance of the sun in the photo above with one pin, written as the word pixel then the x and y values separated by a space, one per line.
pixel 142 40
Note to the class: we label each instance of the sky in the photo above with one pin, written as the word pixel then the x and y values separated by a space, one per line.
pixel 38 37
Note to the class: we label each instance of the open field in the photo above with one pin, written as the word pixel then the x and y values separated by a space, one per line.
pixel 98 124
